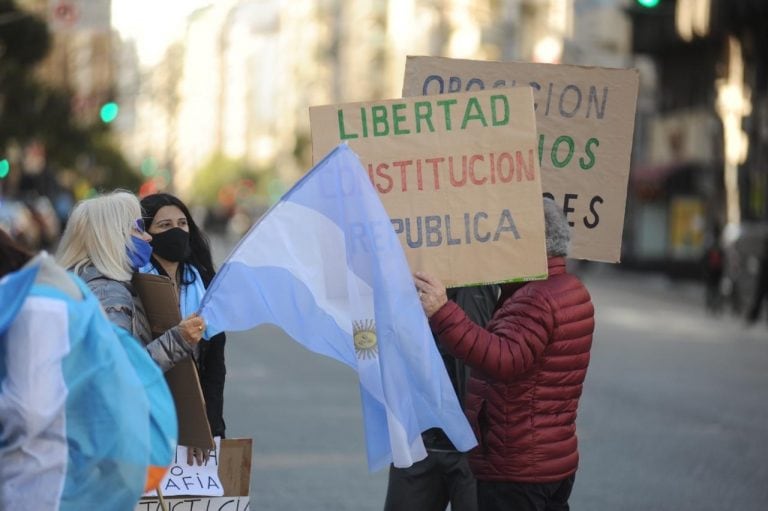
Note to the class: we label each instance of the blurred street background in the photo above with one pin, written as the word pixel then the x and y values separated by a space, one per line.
pixel 209 100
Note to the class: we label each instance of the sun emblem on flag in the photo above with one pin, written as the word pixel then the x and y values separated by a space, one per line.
pixel 364 335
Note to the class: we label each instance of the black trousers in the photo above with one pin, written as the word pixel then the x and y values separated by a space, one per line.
pixel 432 483
pixel 508 496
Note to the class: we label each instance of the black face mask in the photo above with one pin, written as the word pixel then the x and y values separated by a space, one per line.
pixel 172 244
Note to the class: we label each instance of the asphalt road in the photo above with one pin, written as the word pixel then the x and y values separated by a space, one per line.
pixel 675 408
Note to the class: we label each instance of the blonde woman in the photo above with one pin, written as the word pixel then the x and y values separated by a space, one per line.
pixel 104 243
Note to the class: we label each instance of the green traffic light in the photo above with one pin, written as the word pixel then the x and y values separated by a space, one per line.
pixel 109 112
pixel 5 168
pixel 148 166
pixel 648 3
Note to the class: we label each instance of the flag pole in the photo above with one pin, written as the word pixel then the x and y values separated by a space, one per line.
pixel 161 498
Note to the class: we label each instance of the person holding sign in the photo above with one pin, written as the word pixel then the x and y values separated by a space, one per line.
pixel 444 476
pixel 104 243
pixel 181 251
pixel 528 369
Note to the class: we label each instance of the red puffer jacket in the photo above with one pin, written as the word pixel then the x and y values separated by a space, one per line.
pixel 528 369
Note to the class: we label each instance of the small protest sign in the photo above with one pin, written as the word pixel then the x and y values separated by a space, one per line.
pixel 585 120
pixel 458 176
pixel 233 460
pixel 198 480
pixel 196 504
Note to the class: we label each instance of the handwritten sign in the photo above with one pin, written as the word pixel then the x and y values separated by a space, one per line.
pixel 196 504
pixel 585 119
pixel 458 175
pixel 199 480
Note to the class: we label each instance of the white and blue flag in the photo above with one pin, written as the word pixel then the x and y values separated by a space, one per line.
pixel 86 418
pixel 325 265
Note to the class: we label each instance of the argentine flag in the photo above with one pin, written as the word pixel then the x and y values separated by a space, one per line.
pixel 325 265
pixel 86 418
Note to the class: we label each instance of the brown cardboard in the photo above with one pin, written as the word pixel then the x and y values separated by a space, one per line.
pixel 235 465
pixel 585 118
pixel 457 175
pixel 184 382
pixel 160 301
pixel 235 461
pixel 158 295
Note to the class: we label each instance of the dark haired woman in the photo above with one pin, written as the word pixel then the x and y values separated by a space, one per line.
pixel 182 252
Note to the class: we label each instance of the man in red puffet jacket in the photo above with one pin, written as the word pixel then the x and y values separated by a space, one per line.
pixel 528 368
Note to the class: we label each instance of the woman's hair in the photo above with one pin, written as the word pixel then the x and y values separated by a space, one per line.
pixel 200 248
pixel 12 255
pixel 556 226
pixel 98 232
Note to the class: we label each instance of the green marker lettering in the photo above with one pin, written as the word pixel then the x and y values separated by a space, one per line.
pixel 425 116
pixel 446 104
pixel 473 104
pixel 380 121
pixel 397 118
pixel 342 131
pixel 494 119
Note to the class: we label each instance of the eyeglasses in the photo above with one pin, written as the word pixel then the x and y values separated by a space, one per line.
pixel 139 225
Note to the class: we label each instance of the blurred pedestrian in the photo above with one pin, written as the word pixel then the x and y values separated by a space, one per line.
pixel 181 251
pixel 528 369
pixel 104 243
pixel 69 438
pixel 761 286
pixel 713 272
pixel 13 255
pixel 444 476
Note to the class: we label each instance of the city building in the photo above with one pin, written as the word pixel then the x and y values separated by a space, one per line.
pixel 701 173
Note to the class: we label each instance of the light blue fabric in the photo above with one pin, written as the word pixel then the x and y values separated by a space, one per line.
pixel 163 424
pixel 14 289
pixel 139 253
pixel 191 294
pixel 118 415
pixel 325 265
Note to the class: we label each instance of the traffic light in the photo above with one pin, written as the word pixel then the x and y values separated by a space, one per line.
pixel 5 168
pixel 648 4
pixel 109 111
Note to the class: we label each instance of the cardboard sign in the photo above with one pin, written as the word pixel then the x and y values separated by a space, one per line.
pixel 185 479
pixel 196 504
pixel 585 119
pixel 158 296
pixel 458 176
pixel 234 469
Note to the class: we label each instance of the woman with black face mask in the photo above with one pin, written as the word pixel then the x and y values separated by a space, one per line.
pixel 182 252
pixel 104 243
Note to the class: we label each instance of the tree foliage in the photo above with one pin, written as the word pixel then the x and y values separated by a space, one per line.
pixel 222 175
pixel 33 111
pixel 24 39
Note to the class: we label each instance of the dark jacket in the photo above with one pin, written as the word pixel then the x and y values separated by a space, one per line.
pixel 528 369
pixel 478 302
pixel 213 372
